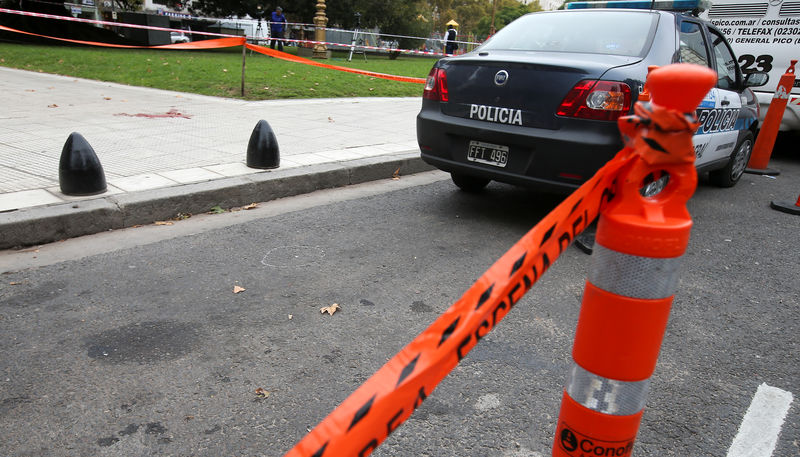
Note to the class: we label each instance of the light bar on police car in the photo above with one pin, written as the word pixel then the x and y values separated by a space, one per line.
pixel 665 5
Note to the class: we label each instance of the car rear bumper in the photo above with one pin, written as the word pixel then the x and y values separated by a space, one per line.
pixel 556 160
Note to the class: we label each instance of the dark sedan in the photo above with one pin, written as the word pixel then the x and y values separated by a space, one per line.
pixel 537 104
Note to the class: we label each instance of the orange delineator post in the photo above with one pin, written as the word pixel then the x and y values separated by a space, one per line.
pixel 629 292
pixel 644 95
pixel 762 150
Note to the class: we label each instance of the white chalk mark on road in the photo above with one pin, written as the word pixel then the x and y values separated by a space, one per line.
pixel 758 434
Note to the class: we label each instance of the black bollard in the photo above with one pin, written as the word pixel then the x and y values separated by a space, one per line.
pixel 79 170
pixel 262 149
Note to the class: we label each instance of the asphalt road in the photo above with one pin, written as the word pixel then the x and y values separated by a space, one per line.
pixel 132 343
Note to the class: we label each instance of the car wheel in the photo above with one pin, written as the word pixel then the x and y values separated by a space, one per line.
pixel 729 175
pixel 469 183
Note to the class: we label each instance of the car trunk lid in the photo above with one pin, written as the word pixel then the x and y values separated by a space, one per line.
pixel 517 88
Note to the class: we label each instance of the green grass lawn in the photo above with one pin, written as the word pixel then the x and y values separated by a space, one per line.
pixel 219 72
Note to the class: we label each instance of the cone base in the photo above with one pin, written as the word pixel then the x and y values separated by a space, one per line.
pixel 764 171
pixel 585 242
pixel 584 432
pixel 786 207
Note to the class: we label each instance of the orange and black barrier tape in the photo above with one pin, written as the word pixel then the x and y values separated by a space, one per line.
pixel 390 396
pixel 227 42
pixel 294 58
pixel 224 42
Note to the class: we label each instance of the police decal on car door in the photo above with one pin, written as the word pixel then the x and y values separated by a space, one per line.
pixel 719 122
pixel 717 134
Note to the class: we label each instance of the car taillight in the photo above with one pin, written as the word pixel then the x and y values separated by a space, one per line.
pixel 436 85
pixel 599 100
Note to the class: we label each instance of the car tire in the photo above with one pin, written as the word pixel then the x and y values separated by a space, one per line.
pixel 729 175
pixel 469 183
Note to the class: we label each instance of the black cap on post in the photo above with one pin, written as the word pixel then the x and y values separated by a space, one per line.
pixel 79 170
pixel 262 150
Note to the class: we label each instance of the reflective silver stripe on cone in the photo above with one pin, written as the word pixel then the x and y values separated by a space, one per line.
pixel 607 396
pixel 633 276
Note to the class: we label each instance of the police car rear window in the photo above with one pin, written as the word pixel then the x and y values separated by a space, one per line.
pixel 626 33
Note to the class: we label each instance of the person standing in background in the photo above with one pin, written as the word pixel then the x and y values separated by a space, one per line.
pixel 276 25
pixel 450 44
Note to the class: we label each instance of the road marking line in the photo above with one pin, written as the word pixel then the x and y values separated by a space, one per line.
pixel 758 434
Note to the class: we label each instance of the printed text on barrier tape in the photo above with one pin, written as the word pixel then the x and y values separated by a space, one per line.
pixel 360 423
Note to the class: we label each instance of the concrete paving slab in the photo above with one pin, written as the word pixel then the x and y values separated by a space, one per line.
pixel 165 152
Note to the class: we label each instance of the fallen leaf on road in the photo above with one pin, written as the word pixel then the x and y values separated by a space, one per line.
pixel 216 210
pixel 261 393
pixel 246 207
pixel 396 174
pixel 237 289
pixel 106 98
pixel 163 223
pixel 330 309
pixel 52 106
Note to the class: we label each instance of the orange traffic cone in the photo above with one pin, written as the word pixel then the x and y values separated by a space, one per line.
pixel 634 272
pixel 787 206
pixel 769 129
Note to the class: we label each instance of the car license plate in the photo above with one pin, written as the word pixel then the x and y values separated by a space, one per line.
pixel 490 154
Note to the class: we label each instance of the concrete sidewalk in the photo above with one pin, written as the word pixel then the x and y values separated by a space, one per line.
pixel 165 153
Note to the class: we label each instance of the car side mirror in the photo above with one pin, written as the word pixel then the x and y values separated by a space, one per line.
pixel 755 79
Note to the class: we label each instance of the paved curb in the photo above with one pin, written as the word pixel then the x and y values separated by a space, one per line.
pixel 45 224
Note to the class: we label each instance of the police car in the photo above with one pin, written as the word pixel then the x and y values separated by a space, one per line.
pixel 537 104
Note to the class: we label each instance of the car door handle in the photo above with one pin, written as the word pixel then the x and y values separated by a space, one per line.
pixel 725 102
